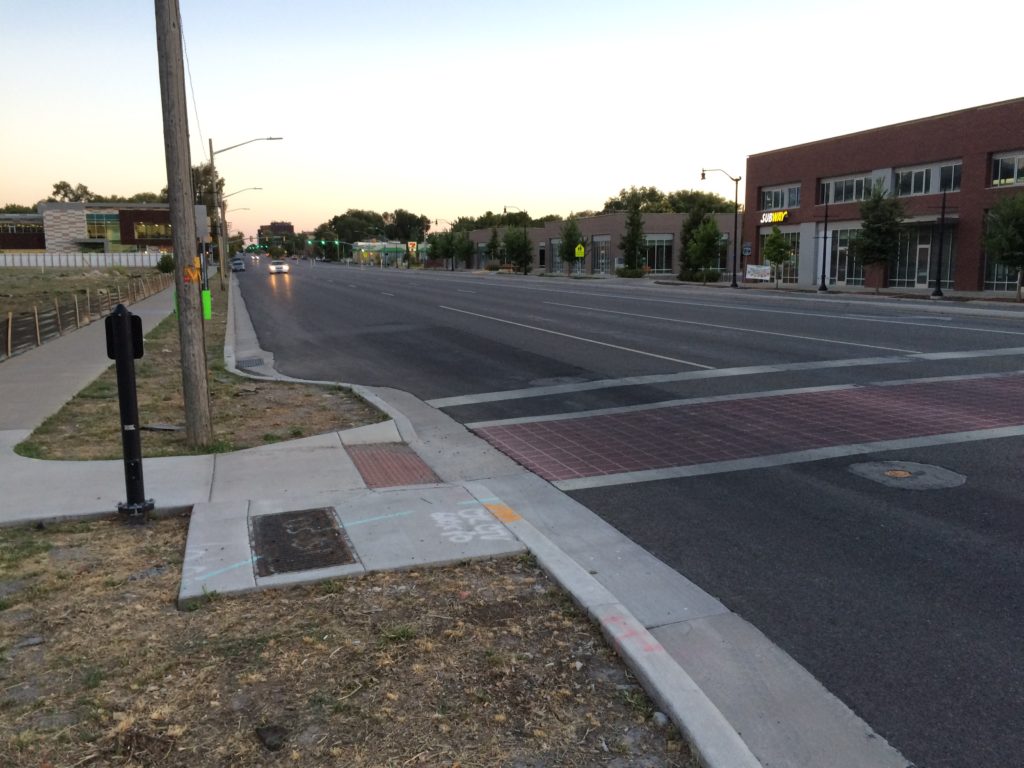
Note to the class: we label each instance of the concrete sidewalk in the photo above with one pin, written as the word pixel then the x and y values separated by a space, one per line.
pixel 421 489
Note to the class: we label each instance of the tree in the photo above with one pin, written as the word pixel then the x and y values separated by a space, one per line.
pixel 571 237
pixel 688 200
pixel 878 240
pixel 65 193
pixel 493 249
pixel 440 245
pixel 1004 235
pixel 462 247
pixel 704 246
pixel 355 225
pixel 777 251
pixel 15 208
pixel 518 248
pixel 653 200
pixel 633 243
pixel 700 213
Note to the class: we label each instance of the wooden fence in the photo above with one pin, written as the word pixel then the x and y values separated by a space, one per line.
pixel 27 330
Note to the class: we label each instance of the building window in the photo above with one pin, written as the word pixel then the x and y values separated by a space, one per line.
pixel 600 249
pixel 917 181
pixel 20 228
pixel 788 271
pixel 780 198
pixel 949 177
pixel 556 257
pixel 150 231
pixel 845 190
pixel 845 269
pixel 658 257
pixel 103 226
pixel 1008 169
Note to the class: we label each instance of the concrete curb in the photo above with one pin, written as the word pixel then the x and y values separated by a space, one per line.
pixel 715 742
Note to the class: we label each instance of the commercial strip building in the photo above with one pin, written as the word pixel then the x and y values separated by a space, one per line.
pixel 601 237
pixel 947 170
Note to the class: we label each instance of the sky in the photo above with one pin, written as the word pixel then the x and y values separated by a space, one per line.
pixel 451 108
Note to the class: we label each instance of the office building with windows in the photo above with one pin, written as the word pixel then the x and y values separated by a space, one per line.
pixel 947 171
pixel 99 227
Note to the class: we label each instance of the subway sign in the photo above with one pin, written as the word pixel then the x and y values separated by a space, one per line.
pixel 774 217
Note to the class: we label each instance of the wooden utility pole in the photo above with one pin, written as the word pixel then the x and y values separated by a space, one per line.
pixel 198 422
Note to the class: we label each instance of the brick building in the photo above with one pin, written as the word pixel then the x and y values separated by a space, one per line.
pixel 947 170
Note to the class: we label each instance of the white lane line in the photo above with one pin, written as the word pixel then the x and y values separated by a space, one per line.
pixel 580 338
pixel 735 328
pixel 782 459
pixel 662 404
pixel 750 370
pixel 385 293
pixel 461 290
pixel 568 416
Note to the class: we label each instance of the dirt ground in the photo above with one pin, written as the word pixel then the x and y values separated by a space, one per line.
pixel 479 664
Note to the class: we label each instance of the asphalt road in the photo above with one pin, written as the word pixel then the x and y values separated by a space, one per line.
pixel 907 604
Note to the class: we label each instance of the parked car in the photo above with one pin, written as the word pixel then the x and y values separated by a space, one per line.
pixel 279 265
pixel 238 264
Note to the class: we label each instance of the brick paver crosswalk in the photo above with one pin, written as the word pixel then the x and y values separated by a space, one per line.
pixel 700 433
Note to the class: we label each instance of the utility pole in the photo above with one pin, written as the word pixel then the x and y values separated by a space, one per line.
pixel 198 421
pixel 218 203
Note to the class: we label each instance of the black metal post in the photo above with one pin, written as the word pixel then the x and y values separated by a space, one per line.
pixel 824 243
pixel 942 231
pixel 735 228
pixel 124 346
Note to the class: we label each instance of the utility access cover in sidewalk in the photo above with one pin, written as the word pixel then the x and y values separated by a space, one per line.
pixel 301 540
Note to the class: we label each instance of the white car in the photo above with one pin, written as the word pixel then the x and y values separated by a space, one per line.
pixel 279 265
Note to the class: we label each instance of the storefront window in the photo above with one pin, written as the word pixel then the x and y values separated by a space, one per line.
pixel 845 269
pixel 789 272
pixel 659 253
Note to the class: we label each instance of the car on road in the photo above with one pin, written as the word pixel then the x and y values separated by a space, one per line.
pixel 279 265
pixel 237 264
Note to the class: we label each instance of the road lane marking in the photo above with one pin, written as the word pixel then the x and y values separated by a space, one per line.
pixel 734 328
pixel 783 459
pixel 385 293
pixel 750 370
pixel 662 404
pixel 579 338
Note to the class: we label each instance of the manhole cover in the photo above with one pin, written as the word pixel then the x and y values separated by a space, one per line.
pixel 299 541
pixel 908 475
pixel 900 473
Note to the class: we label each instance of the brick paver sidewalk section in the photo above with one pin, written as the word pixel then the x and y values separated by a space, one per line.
pixel 685 435
pixel 388 465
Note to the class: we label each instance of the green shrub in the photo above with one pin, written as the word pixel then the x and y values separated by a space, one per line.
pixel 626 272
pixel 166 263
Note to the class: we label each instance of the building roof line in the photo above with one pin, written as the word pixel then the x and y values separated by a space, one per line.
pixel 902 124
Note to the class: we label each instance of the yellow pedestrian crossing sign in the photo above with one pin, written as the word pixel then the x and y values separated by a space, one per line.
pixel 580 251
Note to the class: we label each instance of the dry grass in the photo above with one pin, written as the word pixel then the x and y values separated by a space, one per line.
pixel 23 287
pixel 246 412
pixel 480 664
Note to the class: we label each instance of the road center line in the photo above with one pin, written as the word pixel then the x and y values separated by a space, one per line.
pixel 579 338
pixel 733 328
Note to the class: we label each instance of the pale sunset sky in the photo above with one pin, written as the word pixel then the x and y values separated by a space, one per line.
pixel 457 107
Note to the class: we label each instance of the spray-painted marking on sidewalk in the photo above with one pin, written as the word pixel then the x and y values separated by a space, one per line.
pixel 468 524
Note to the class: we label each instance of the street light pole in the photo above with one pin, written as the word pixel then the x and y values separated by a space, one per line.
pixel 735 216
pixel 937 293
pixel 219 203
pixel 824 243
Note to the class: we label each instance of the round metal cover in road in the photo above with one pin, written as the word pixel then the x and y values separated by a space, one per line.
pixel 908 475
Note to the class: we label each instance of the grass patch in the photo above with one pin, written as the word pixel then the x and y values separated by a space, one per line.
pixel 246 412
